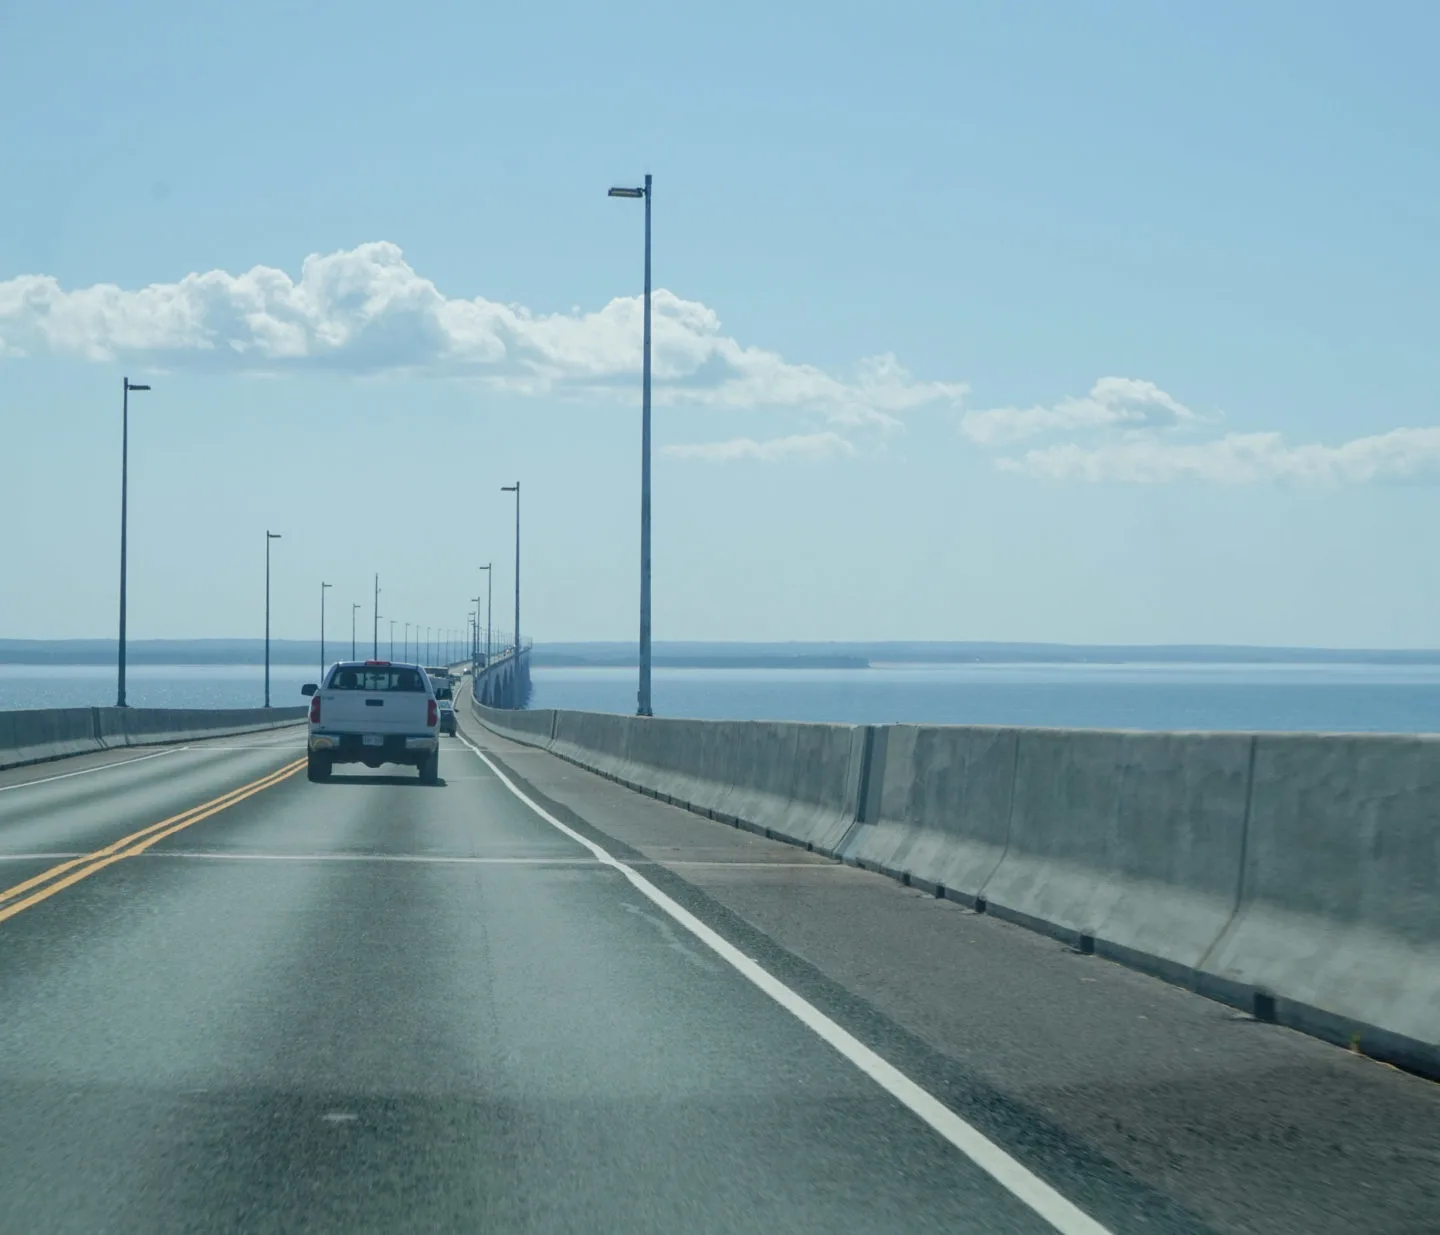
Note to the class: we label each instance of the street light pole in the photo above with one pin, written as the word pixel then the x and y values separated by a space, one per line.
pixel 392 638
pixel 323 586
pixel 643 694
pixel 515 634
pixel 128 386
pixel 489 579
pixel 354 609
pixel 269 536
pixel 375 632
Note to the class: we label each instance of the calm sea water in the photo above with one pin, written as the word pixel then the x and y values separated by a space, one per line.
pixel 152 686
pixel 1354 698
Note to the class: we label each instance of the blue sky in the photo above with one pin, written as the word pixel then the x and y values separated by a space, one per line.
pixel 1111 322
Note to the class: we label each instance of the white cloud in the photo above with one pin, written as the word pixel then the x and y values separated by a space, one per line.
pixel 810 447
pixel 1112 402
pixel 1237 459
pixel 366 310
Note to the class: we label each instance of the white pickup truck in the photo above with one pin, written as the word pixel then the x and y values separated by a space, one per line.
pixel 374 712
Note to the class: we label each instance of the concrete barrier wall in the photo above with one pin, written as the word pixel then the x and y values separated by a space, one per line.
pixel 1339 914
pixel 147 726
pixel 521 726
pixel 51 733
pixel 1296 876
pixel 937 811
pixel 799 782
pixel 1127 842
pixel 55 733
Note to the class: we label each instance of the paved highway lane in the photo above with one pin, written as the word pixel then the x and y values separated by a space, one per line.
pixel 373 1005
pixel 1153 1108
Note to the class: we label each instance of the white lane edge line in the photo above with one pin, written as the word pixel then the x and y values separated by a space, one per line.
pixel 119 763
pixel 1022 1183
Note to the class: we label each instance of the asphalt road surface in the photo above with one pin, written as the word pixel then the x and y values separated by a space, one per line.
pixel 526 1000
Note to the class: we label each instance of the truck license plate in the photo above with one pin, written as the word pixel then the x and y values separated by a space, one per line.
pixel 373 739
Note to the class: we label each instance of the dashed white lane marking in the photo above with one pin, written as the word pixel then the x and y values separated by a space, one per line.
pixel 1064 1215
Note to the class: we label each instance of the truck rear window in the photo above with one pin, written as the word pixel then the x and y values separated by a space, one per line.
pixel 377 679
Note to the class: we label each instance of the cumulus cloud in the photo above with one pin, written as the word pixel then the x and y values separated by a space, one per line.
pixel 1238 459
pixel 1112 402
pixel 366 310
pixel 807 446
pixel 1128 431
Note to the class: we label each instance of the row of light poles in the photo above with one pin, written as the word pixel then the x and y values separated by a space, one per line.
pixel 643 706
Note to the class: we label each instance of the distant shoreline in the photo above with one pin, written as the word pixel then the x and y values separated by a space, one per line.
pixel 696 655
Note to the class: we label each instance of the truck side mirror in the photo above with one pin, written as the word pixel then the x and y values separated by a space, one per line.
pixel 309 688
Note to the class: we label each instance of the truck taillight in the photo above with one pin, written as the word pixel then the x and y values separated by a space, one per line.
pixel 432 714
pixel 314 709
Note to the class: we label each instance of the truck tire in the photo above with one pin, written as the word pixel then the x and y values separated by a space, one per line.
pixel 430 768
pixel 317 767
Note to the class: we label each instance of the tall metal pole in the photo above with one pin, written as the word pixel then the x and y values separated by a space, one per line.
pixel 515 634
pixel 488 568
pixel 269 536
pixel 124 504
pixel 375 632
pixel 392 638
pixel 643 700
pixel 323 586
pixel 126 388
pixel 354 609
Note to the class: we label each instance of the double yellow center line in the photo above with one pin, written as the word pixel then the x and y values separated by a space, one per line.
pixel 44 885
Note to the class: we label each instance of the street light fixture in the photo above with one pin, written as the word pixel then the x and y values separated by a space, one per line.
pixel 643 694
pixel 515 634
pixel 269 536
pixel 124 515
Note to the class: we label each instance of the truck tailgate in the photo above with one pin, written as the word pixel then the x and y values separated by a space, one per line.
pixel 375 700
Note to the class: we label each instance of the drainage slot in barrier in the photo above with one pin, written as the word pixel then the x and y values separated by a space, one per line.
pixel 1263 1007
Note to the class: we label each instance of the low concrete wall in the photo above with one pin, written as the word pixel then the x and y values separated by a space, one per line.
pixel 1296 876
pixel 937 807
pixel 1339 913
pixel 40 735
pixel 148 726
pixel 799 782
pixel 1127 842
